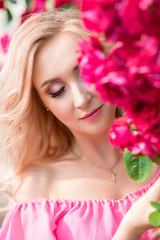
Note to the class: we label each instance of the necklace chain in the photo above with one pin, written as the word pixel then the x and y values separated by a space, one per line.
pixel 113 174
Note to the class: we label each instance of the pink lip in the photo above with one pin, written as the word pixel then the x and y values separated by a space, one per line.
pixel 93 112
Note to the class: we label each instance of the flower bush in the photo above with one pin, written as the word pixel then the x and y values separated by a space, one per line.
pixel 129 76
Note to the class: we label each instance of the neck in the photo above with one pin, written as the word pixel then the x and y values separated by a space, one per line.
pixel 97 149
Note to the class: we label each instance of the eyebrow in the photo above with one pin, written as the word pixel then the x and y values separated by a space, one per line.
pixel 56 78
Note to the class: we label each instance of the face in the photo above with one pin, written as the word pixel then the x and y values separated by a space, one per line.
pixel 57 79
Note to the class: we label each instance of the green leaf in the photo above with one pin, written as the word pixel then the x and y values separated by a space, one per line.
pixel 132 127
pixel 28 3
pixel 9 15
pixel 12 1
pixel 138 167
pixel 156 205
pixel 69 6
pixel 154 219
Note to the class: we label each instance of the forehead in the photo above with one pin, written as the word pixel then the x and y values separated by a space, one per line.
pixel 61 48
pixel 56 56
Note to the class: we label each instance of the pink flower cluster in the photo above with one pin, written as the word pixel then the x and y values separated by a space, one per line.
pixel 38 5
pixel 129 75
pixel 121 135
pixel 61 3
pixel 2 4
pixel 4 42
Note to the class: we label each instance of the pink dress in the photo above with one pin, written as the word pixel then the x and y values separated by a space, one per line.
pixel 47 219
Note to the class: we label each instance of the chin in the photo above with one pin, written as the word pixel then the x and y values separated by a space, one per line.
pixel 97 129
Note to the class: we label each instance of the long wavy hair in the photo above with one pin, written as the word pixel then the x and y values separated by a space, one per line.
pixel 29 133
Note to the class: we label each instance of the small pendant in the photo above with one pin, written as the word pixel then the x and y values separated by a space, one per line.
pixel 113 175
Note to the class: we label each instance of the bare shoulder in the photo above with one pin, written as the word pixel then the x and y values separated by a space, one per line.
pixel 33 182
pixel 38 180
pixel 52 180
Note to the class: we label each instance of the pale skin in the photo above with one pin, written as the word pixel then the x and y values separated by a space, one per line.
pixel 71 177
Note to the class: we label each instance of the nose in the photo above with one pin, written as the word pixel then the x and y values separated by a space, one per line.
pixel 81 95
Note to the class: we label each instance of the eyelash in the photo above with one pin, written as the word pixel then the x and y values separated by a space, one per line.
pixel 53 95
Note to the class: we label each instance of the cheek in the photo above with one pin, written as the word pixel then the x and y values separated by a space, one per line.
pixel 111 109
pixel 110 113
pixel 59 107
pixel 62 111
pixel 92 89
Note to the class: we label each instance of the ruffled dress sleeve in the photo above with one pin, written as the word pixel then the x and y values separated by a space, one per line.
pixel 60 219
pixel 32 220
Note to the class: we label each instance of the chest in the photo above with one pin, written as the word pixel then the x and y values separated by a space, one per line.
pixel 89 183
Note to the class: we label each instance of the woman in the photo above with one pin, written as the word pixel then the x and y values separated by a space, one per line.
pixel 69 181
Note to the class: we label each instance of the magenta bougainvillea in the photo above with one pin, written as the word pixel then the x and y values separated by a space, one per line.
pixel 129 76
pixel 4 41
pixel 1 4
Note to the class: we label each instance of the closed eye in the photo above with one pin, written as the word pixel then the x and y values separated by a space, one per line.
pixel 56 94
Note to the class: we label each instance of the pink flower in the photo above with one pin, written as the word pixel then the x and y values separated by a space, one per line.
pixel 140 145
pixel 154 141
pixel 114 88
pixel 60 3
pixel 139 16
pixel 120 134
pixel 153 75
pixel 129 14
pixel 25 16
pixel 4 41
pixel 129 76
pixel 145 116
pixel 145 85
pixel 92 60
pixel 145 4
pixel 132 16
pixel 148 50
pixel 95 11
pixel 2 4
pixel 38 5
pixel 134 52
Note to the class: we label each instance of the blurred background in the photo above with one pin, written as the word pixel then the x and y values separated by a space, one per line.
pixel 14 12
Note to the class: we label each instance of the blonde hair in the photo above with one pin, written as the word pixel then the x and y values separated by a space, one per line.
pixel 24 122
